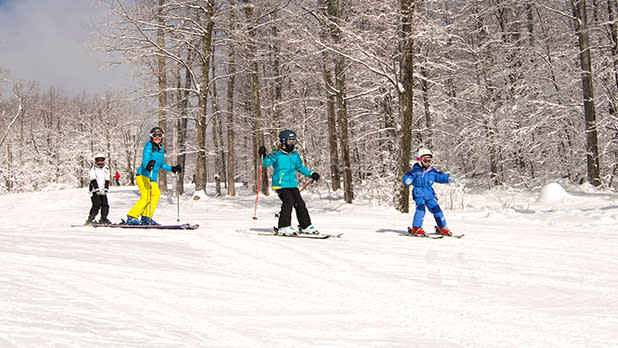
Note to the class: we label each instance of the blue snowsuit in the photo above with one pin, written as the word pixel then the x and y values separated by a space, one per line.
pixel 423 194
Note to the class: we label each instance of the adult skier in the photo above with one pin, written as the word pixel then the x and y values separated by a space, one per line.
pixel 99 186
pixel 286 162
pixel 153 159
pixel 422 176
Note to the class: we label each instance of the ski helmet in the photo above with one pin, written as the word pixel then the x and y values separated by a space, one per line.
pixel 156 131
pixel 288 140
pixel 423 152
pixel 99 156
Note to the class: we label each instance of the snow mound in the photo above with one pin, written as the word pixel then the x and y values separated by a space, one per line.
pixel 552 194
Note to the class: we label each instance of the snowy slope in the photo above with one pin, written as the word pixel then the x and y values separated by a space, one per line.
pixel 534 270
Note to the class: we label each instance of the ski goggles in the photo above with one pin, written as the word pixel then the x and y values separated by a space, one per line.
pixel 157 135
pixel 99 160
pixel 426 160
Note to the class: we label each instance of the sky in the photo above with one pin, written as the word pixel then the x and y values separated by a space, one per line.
pixel 47 41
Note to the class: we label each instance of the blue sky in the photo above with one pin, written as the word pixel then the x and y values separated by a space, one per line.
pixel 46 41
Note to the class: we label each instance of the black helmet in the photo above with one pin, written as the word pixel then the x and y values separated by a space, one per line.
pixel 288 140
pixel 156 130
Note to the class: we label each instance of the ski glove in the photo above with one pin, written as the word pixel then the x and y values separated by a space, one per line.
pixel 315 176
pixel 262 151
pixel 176 169
pixel 150 165
pixel 452 180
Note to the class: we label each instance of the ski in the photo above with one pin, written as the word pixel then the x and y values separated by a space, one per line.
pixel 156 227
pixel 302 235
pixel 445 235
pixel 426 235
pixel 275 229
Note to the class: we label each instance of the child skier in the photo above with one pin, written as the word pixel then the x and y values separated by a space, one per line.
pixel 99 185
pixel 286 162
pixel 153 159
pixel 422 176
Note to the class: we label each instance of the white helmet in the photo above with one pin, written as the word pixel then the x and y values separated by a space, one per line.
pixel 99 155
pixel 423 152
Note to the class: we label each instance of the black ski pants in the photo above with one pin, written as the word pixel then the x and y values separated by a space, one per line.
pixel 291 199
pixel 99 202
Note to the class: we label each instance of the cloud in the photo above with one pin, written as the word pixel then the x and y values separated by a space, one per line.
pixel 47 41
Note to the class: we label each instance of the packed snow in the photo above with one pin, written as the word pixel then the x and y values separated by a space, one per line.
pixel 535 269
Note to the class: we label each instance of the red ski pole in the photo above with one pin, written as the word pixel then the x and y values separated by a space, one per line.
pixel 257 195
pixel 307 184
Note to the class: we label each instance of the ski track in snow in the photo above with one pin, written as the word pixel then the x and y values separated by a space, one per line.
pixel 523 276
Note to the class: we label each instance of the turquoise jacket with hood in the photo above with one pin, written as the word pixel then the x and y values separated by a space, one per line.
pixel 151 152
pixel 285 167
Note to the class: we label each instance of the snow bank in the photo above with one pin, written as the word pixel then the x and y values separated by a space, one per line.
pixel 552 195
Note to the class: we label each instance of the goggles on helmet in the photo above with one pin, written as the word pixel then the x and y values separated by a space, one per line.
pixel 426 160
pixel 99 160
pixel 157 135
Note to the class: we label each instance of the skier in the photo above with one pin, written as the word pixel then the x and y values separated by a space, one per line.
pixel 286 162
pixel 99 185
pixel 117 178
pixel 153 159
pixel 422 176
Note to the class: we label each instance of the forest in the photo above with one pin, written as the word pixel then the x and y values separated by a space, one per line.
pixel 515 93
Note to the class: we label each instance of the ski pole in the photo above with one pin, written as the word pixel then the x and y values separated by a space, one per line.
pixel 257 195
pixel 177 199
pixel 307 184
pixel 150 194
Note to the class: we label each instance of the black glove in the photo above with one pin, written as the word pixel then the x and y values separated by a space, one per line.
pixel 262 151
pixel 315 176
pixel 176 169
pixel 150 165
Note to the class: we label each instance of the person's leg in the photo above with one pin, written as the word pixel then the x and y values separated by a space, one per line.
pixel 302 214
pixel 94 209
pixel 154 199
pixel 419 213
pixel 285 215
pixel 438 215
pixel 104 208
pixel 144 190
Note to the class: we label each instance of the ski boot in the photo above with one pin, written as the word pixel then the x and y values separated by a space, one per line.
pixel 132 221
pixel 309 230
pixel 443 231
pixel 105 221
pixel 90 221
pixel 417 231
pixel 148 221
pixel 287 231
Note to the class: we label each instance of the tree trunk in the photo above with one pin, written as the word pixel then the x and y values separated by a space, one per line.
pixel 406 94
pixel 592 147
pixel 162 78
pixel 330 102
pixel 200 172
pixel 258 136
pixel 334 15
pixel 231 72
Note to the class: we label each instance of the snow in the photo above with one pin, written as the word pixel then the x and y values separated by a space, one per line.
pixel 523 276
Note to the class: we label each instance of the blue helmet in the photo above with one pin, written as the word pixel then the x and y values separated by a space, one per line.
pixel 288 140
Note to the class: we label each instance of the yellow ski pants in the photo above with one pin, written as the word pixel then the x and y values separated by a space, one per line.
pixel 149 192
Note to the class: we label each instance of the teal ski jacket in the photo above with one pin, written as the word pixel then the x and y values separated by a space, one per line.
pixel 158 155
pixel 285 166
